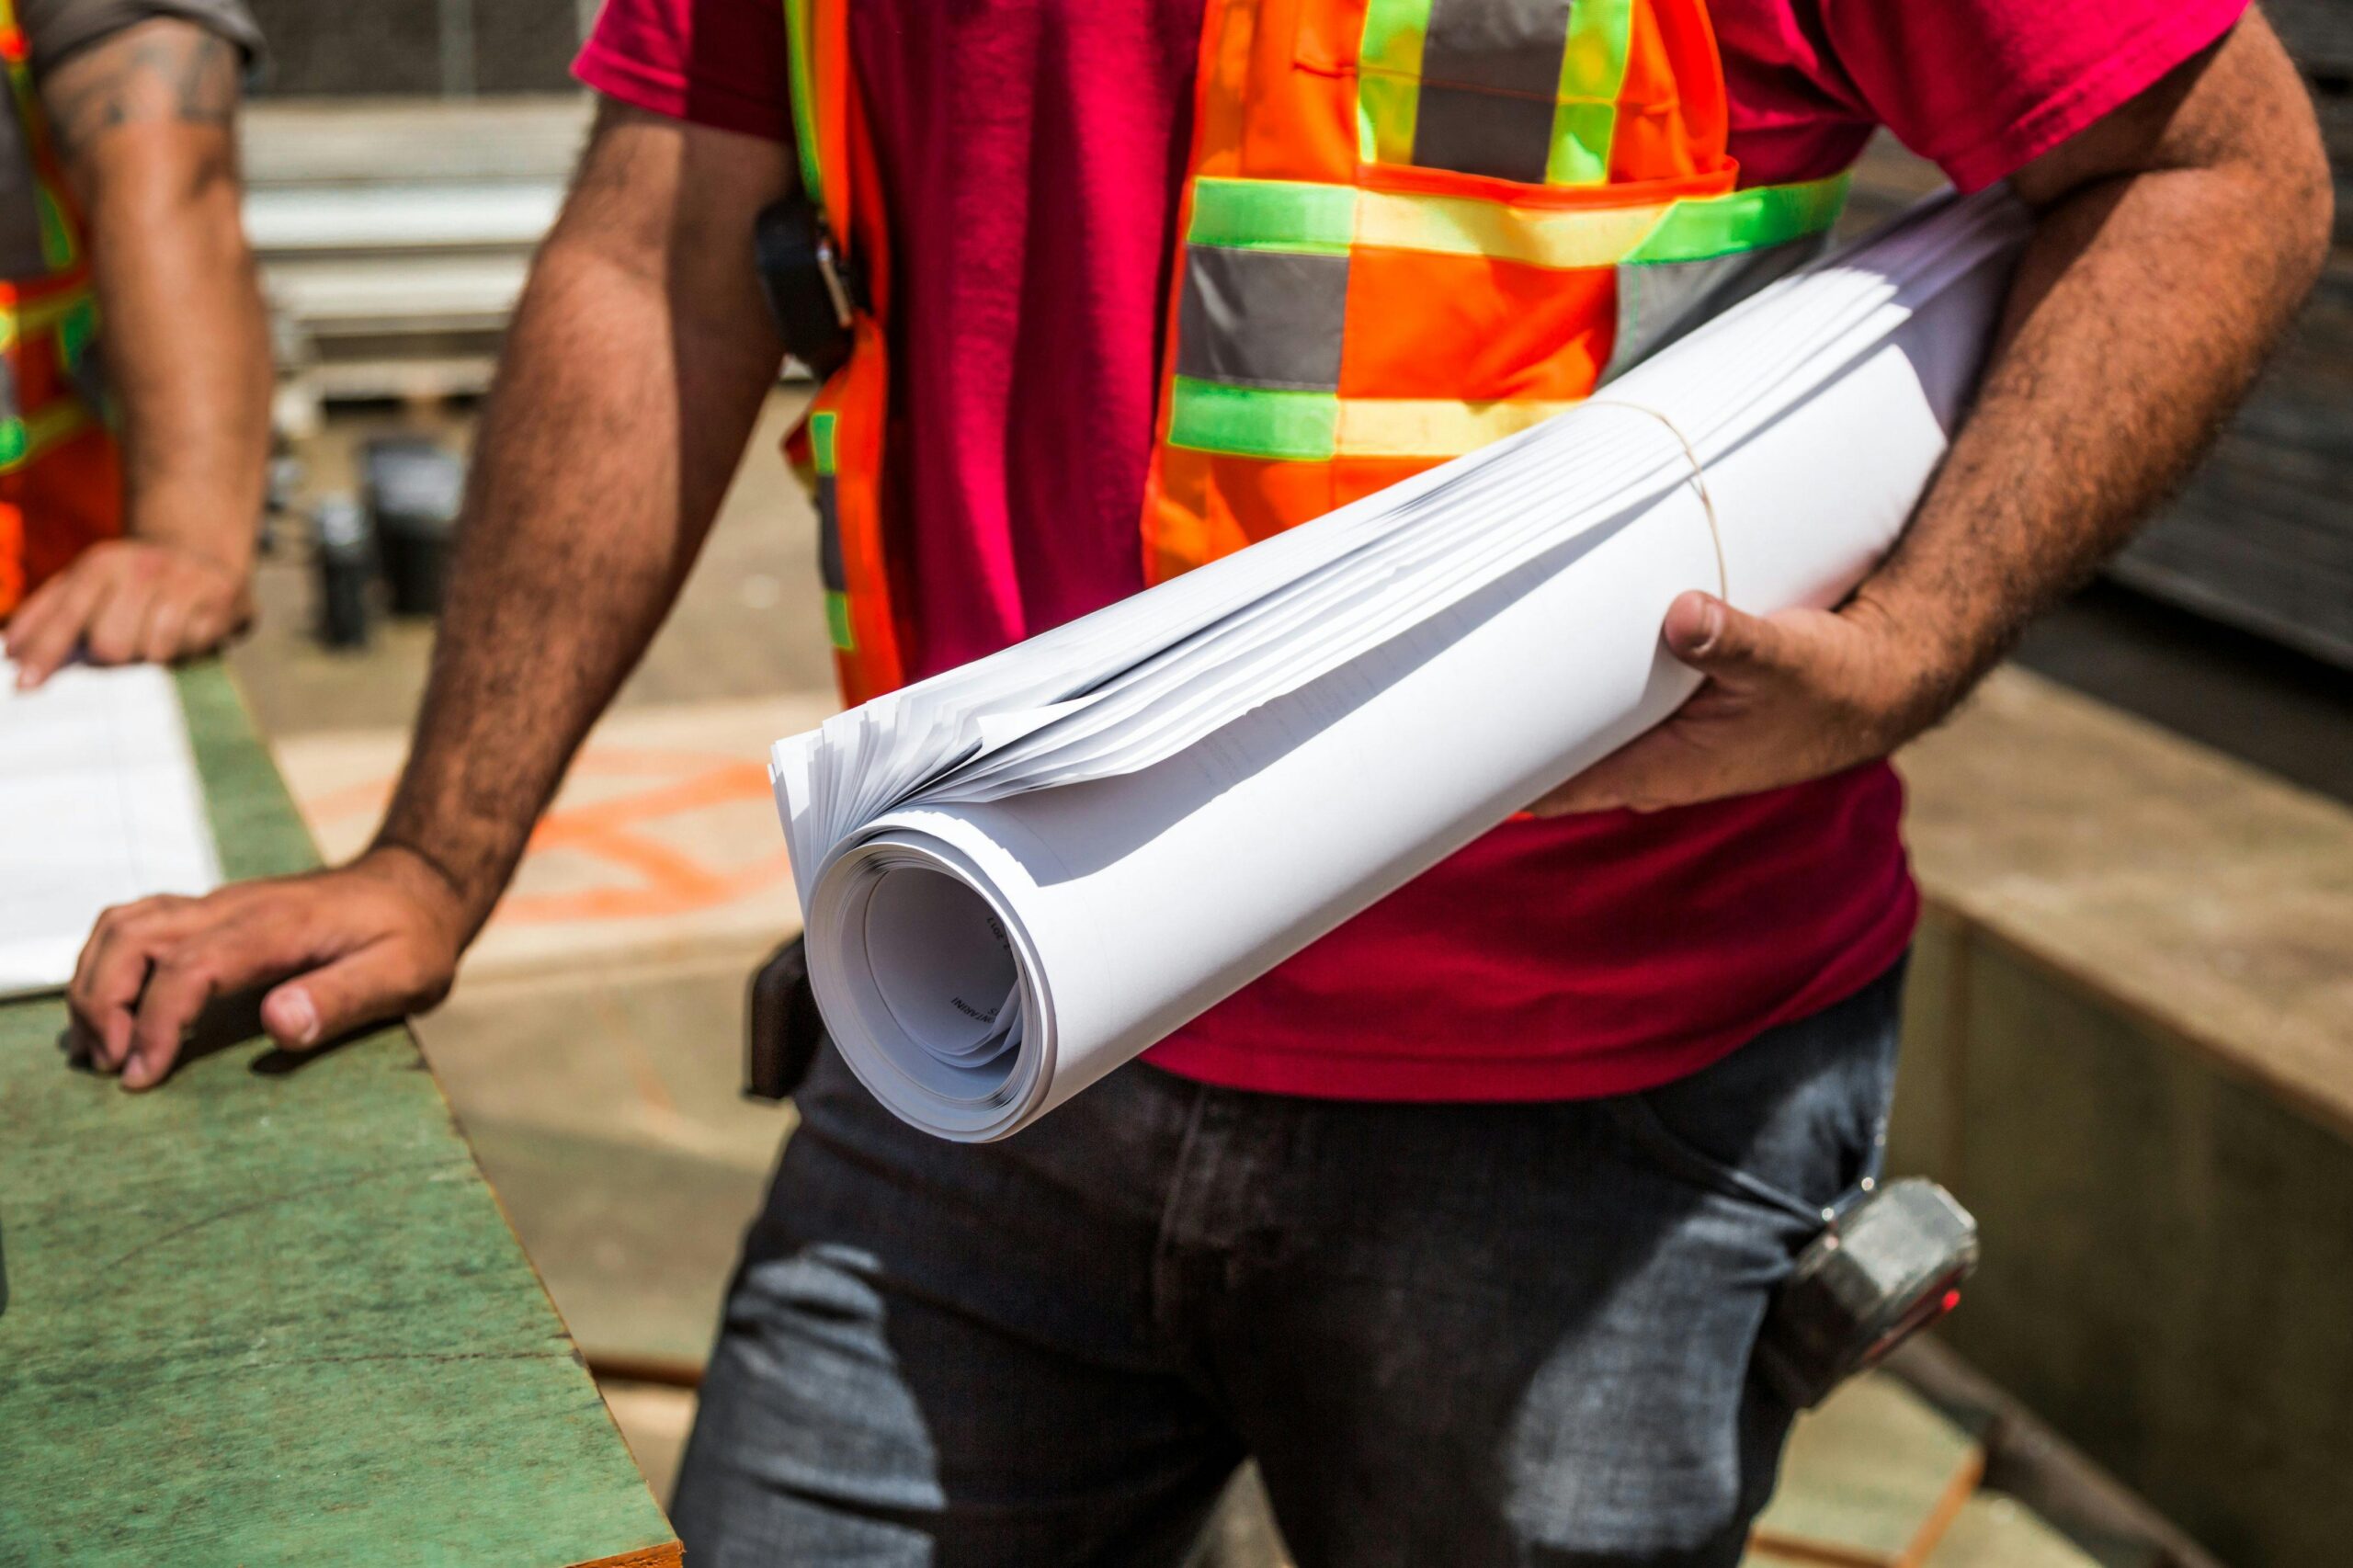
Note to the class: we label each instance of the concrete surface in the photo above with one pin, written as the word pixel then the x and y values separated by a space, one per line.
pixel 655 1420
pixel 1995 1532
pixel 1874 1475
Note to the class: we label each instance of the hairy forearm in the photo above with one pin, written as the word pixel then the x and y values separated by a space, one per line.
pixel 145 124
pixel 2140 312
pixel 622 402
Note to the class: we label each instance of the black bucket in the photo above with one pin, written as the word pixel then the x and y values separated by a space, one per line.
pixel 413 486
pixel 346 564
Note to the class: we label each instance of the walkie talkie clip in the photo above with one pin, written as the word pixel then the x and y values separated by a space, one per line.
pixel 783 1028
pixel 815 288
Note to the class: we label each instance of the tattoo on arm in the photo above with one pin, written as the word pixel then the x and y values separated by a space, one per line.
pixel 160 71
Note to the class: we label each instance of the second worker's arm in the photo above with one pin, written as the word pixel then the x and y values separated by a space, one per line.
pixel 145 124
pixel 638 359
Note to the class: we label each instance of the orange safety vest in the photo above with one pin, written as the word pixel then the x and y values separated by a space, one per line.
pixel 1408 228
pixel 61 479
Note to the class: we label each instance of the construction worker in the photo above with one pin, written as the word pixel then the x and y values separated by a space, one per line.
pixel 135 430
pixel 1464 1220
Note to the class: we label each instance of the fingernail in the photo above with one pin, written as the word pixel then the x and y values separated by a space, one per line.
pixel 134 1072
pixel 1711 624
pixel 302 1014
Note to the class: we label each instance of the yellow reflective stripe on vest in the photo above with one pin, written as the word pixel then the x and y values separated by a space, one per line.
pixel 799 50
pixel 1294 215
pixel 70 315
pixel 23 439
pixel 1455 225
pixel 1433 427
pixel 1389 78
pixel 1315 427
pixel 1592 73
pixel 1748 219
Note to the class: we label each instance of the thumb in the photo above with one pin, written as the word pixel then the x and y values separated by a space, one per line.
pixel 372 985
pixel 1715 639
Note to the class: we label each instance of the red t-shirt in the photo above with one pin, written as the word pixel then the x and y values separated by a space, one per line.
pixel 1032 151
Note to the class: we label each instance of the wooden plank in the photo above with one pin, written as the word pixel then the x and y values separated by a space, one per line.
pixel 2319 33
pixel 2178 885
pixel 2261 537
pixel 272 1314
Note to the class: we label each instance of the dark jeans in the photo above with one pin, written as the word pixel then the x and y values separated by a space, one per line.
pixel 1451 1334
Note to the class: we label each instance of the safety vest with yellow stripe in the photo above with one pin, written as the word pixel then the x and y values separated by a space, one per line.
pixel 61 487
pixel 1408 228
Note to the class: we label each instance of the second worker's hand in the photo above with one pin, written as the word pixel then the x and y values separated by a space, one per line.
pixel 129 601
pixel 1789 698
pixel 338 949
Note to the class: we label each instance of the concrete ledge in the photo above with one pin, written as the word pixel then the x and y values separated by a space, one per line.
pixel 2129 1051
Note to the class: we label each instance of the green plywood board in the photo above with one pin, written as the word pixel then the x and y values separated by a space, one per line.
pixel 271 1313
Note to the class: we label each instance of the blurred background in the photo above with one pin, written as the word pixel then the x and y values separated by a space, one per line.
pixel 2131 1039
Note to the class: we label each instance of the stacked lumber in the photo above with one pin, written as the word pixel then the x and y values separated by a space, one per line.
pixel 393 235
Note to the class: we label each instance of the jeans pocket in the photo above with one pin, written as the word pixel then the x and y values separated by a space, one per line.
pixel 1793 1121
pixel 1685 1161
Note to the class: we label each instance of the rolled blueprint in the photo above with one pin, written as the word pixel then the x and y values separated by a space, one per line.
pixel 1018 875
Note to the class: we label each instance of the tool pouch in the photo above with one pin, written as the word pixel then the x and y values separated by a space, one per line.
pixel 782 1029
pixel 1889 1267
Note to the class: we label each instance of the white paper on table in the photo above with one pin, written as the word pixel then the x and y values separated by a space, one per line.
pixel 1020 874
pixel 99 804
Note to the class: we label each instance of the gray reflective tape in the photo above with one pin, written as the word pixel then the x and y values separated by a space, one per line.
pixel 1475 132
pixel 1491 72
pixel 829 535
pixel 20 249
pixel 1658 301
pixel 1503 46
pixel 1261 318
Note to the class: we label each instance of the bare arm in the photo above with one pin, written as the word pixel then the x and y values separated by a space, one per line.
pixel 2174 240
pixel 638 360
pixel 144 123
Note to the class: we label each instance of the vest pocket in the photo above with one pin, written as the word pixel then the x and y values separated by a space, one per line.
pixel 1525 91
